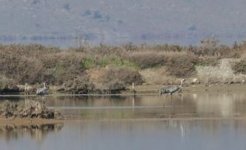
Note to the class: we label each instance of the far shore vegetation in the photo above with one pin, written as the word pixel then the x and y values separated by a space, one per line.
pixel 107 69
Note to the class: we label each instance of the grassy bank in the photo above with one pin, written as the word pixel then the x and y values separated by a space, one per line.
pixel 111 69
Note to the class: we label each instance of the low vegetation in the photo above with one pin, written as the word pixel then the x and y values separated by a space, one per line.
pixel 124 75
pixel 119 66
pixel 240 67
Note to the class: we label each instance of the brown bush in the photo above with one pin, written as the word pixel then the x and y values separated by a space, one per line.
pixel 126 76
pixel 79 85
pixel 181 65
pixel 31 50
pixel 62 67
pixel 103 50
pixel 169 48
pixel 221 52
pixel 34 63
pixel 240 67
pixel 207 61
pixel 6 82
pixel 148 59
pixel 23 62
pixel 20 68
pixel 216 50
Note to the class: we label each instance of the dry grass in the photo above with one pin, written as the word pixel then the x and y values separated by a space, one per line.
pixel 156 76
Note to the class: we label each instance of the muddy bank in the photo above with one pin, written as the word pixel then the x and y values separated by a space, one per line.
pixel 28 109
pixel 154 89
pixel 31 113
pixel 146 89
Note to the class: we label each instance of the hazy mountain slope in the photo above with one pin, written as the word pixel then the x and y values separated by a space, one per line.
pixel 177 21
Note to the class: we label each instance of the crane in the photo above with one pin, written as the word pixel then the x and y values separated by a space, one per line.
pixel 171 88
pixel 42 91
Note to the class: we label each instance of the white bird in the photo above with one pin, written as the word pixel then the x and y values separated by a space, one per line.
pixel 43 90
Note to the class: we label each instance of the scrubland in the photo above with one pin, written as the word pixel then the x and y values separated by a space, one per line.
pixel 111 69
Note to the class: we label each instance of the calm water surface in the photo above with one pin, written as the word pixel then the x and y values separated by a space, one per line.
pixel 215 121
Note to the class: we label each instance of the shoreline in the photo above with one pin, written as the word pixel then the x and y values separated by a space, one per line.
pixel 147 90
pixel 39 122
pixel 157 119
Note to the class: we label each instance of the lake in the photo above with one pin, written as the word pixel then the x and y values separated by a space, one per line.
pixel 205 120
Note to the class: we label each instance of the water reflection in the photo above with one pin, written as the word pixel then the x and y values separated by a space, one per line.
pixel 207 104
pixel 219 128
pixel 36 132
pixel 129 134
pixel 165 134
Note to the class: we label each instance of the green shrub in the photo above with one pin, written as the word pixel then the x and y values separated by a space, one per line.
pixel 114 61
pixel 88 63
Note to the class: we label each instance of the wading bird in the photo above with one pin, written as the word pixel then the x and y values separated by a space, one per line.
pixel 28 89
pixel 43 90
pixel 171 89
